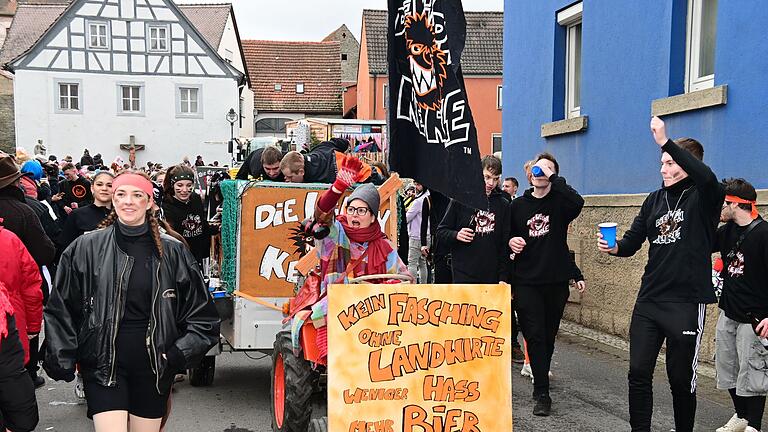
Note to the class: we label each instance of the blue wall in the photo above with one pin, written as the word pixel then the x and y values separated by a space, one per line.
pixel 632 53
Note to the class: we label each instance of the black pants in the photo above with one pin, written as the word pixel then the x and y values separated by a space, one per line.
pixel 443 270
pixel 515 329
pixel 540 309
pixel 681 325
pixel 18 405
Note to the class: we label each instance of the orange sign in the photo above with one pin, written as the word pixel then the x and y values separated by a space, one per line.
pixel 419 358
pixel 270 242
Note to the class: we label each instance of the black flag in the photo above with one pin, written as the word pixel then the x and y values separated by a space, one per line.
pixel 432 134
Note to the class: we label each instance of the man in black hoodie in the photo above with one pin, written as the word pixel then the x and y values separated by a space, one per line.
pixel 262 164
pixel 477 239
pixel 679 221
pixel 542 266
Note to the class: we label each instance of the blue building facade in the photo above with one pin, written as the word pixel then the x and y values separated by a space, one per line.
pixel 633 53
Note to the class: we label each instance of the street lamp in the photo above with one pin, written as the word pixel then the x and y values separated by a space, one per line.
pixel 232 118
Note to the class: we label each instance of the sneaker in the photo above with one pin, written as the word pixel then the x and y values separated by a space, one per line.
pixel 750 429
pixel 543 406
pixel 79 387
pixel 735 424
pixel 517 355
pixel 526 371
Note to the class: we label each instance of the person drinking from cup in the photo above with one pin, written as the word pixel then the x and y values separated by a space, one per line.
pixel 542 266
pixel 679 221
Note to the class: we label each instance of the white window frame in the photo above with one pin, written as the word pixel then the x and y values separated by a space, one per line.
pixel 180 88
pixel 299 88
pixel 693 80
pixel 105 25
pixel 496 135
pixel 57 83
pixel 228 56
pixel 570 18
pixel 150 38
pixel 278 87
pixel 142 106
pixel 499 95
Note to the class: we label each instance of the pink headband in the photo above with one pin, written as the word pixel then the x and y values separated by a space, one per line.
pixel 134 180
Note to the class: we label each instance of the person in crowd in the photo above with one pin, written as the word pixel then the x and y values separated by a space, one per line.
pixel 21 276
pixel 321 163
pixel 478 238
pixel 542 266
pixel 31 180
pixel 356 245
pixel 128 363
pixel 679 222
pixel 18 404
pixel 743 244
pixel 87 218
pixel 74 190
pixel 417 259
pixel 199 161
pixel 183 210
pixel 216 163
pixel 433 211
pixel 68 159
pixel 86 159
pixel 262 164
pixel 19 217
pixel 98 161
pixel 510 186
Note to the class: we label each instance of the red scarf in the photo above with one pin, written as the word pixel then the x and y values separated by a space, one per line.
pixel 378 245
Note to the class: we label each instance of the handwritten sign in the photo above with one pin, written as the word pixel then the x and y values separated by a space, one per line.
pixel 270 247
pixel 419 358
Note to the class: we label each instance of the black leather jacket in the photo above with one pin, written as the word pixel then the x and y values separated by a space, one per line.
pixel 88 301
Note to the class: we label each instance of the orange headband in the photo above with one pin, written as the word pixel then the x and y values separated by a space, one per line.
pixel 134 180
pixel 735 199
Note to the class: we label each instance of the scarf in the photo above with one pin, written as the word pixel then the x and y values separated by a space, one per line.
pixel 378 245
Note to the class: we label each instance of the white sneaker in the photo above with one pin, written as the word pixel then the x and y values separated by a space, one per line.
pixel 750 429
pixel 735 424
pixel 526 371
pixel 79 387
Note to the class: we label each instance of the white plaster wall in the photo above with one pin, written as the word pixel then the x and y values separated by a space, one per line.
pixel 100 129
pixel 229 42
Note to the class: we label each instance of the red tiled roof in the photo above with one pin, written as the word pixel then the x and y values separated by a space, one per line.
pixel 315 64
pixel 29 23
pixel 209 19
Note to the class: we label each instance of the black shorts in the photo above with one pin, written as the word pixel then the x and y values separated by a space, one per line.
pixel 136 389
pixel 18 406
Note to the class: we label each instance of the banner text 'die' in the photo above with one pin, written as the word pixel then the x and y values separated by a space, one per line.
pixel 419 358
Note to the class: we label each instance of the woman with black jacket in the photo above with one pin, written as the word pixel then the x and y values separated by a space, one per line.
pixel 183 209
pixel 87 218
pixel 130 307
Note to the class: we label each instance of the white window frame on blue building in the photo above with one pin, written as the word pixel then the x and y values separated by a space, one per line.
pixel 571 18
pixel 700 45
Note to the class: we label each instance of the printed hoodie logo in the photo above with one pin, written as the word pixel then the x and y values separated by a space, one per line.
pixel 538 225
pixel 486 222
pixel 192 226
pixel 736 265
pixel 670 226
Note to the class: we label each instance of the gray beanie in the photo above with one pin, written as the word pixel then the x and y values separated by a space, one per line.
pixel 368 194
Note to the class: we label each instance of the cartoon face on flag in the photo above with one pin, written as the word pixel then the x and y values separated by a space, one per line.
pixel 432 135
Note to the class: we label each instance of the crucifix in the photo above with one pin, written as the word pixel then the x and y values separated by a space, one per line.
pixel 132 148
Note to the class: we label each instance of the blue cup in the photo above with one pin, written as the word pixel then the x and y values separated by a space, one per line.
pixel 608 230
pixel 537 171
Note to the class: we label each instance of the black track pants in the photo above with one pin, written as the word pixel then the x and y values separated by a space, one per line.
pixel 539 311
pixel 681 325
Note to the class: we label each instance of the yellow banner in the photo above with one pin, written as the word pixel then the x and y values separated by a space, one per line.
pixel 419 358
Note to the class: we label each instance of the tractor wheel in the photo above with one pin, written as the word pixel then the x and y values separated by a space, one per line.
pixel 319 425
pixel 202 375
pixel 292 386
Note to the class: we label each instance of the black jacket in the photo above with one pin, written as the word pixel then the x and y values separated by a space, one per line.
pixel 486 258
pixel 20 219
pixel 679 222
pixel 253 167
pixel 81 220
pixel 320 164
pixel 85 309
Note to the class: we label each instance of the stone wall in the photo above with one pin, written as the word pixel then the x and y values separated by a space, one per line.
pixel 613 283
pixel 7 128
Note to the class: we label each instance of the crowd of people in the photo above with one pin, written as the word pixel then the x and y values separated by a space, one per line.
pixel 115 255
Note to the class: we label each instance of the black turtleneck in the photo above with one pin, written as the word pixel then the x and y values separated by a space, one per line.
pixel 80 221
pixel 137 242
pixel 679 222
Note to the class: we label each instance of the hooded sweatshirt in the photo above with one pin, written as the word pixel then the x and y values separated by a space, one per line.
pixel 543 223
pixel 679 222
pixel 486 258
pixel 189 220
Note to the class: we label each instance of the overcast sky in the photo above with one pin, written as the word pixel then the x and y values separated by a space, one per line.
pixel 312 20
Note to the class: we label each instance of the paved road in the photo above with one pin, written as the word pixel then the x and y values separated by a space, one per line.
pixel 589 393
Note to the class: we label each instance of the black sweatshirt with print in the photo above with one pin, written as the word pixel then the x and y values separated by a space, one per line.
pixel 486 258
pixel 679 222
pixel 745 273
pixel 543 224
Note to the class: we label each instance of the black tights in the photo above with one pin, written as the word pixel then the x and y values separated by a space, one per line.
pixel 749 408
